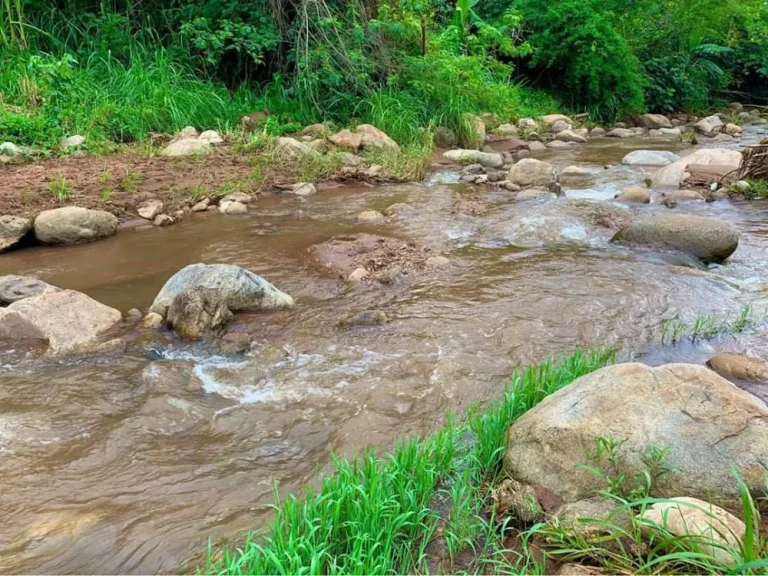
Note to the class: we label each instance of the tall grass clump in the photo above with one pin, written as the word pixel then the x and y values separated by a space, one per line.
pixel 374 514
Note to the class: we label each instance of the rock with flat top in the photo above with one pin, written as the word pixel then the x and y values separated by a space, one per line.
pixel 241 197
pixel 576 176
pixel 73 225
pixel 621 133
pixel 570 136
pixel 240 289
pixel 649 158
pixel 67 320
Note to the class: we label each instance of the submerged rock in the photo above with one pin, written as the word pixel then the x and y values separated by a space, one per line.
pixel 561 222
pixel 239 288
pixel 68 320
pixel 13 229
pixel 708 239
pixel 73 225
pixel 197 311
pixel 15 288
pixel 683 408
pixel 649 158
pixel 576 176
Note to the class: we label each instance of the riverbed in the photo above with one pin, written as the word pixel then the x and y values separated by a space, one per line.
pixel 131 462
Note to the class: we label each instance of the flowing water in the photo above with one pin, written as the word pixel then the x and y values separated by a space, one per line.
pixel 130 462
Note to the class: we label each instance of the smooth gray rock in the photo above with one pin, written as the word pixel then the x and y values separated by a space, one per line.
pixel 15 288
pixel 13 229
pixel 73 225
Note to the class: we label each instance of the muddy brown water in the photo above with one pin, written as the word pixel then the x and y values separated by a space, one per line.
pixel 131 463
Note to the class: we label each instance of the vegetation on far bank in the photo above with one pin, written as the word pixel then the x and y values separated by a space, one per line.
pixel 116 71
pixel 387 514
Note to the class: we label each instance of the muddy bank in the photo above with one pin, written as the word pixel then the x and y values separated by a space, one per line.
pixel 141 457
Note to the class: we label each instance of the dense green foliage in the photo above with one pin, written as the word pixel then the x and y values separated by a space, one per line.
pixel 118 70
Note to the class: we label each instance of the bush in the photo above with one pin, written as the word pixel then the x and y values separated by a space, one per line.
pixel 586 59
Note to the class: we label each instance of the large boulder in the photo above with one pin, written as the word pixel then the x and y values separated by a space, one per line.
pixel 705 423
pixel 346 140
pixel 68 320
pixel 708 239
pixel 555 223
pixel 649 158
pixel 15 288
pixel 709 126
pixel 13 229
pixel 371 138
pixel 239 288
pixel 488 159
pixel 72 225
pixel 676 172
pixel 531 172
pixel 655 121
pixel 197 311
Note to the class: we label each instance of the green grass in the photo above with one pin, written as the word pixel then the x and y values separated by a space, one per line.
pixel 60 188
pixel 674 330
pixel 758 189
pixel 374 514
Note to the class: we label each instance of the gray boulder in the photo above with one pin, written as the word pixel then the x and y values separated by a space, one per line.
pixel 73 225
pixel 371 138
pixel 488 159
pixel 649 158
pixel 709 126
pixel 621 133
pixel 673 174
pixel 655 121
pixel 708 239
pixel 197 311
pixel 68 320
pixel 705 422
pixel 12 230
pixel 186 147
pixel 240 289
pixel 15 288
pixel 531 172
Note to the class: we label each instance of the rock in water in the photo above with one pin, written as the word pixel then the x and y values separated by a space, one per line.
pixel 197 311
pixel 70 321
pixel 709 126
pixel 707 424
pixel 728 364
pixel 12 231
pixel 150 209
pixel 15 288
pixel 714 528
pixel 576 176
pixel 530 172
pixel 635 194
pixel 475 157
pixel 240 289
pixel 708 239
pixel 674 173
pixel 72 225
pixel 649 158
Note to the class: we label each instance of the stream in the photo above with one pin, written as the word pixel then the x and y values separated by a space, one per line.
pixel 130 463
